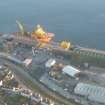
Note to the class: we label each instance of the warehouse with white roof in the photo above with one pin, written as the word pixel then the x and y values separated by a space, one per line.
pixel 71 71
pixel 92 92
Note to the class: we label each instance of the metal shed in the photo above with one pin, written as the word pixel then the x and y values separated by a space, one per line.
pixel 92 92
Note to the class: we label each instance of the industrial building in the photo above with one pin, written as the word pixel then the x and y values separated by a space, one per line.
pixel 27 61
pixel 71 71
pixel 92 92
pixel 50 63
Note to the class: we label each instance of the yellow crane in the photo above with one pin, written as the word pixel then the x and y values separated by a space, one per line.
pixel 65 45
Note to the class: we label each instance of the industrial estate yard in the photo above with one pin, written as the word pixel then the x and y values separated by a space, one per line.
pixel 50 75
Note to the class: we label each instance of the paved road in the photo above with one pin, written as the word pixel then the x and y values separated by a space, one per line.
pixel 44 79
pixel 32 83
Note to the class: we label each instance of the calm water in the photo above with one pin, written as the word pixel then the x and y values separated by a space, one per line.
pixel 80 21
